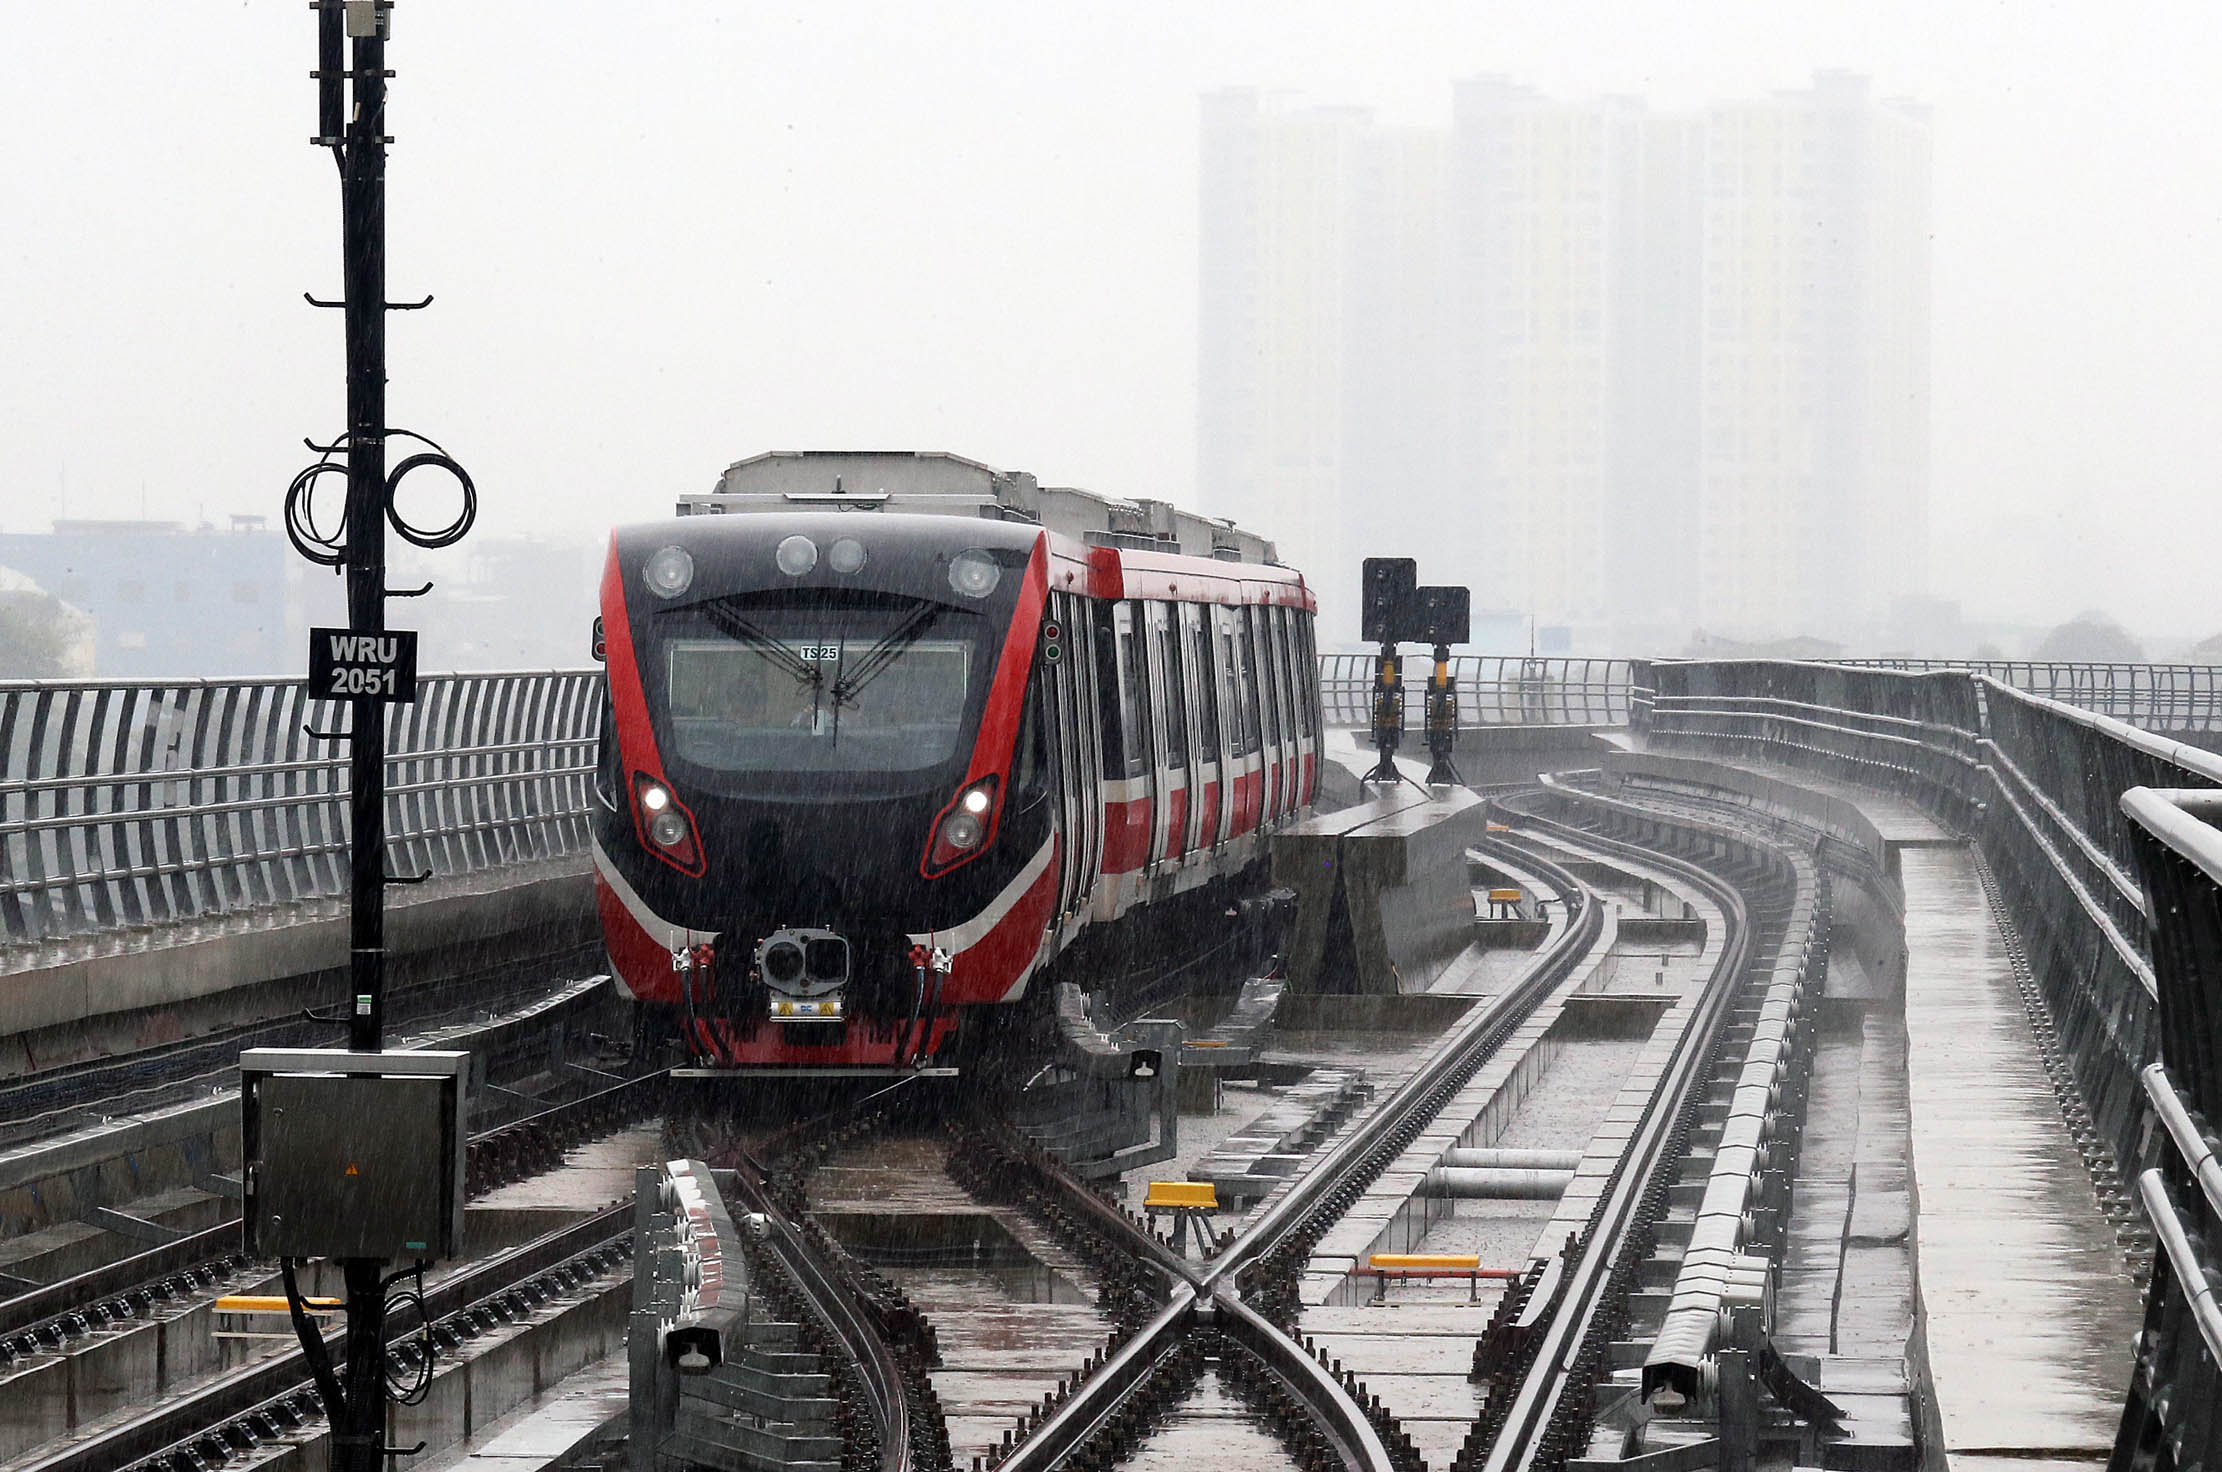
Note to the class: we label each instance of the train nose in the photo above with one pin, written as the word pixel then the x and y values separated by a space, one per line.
pixel 804 961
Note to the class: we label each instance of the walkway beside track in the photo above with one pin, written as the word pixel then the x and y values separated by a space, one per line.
pixel 2028 1309
pixel 2026 1306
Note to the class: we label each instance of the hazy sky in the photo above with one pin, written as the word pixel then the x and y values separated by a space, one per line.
pixel 664 236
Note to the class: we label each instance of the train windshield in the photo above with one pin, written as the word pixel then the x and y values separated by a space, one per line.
pixel 818 685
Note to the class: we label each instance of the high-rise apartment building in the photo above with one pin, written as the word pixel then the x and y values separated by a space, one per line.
pixel 1629 372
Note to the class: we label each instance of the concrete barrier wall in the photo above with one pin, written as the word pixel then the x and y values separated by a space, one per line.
pixel 143 989
pixel 1383 899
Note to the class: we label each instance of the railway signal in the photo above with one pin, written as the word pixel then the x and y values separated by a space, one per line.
pixel 1394 609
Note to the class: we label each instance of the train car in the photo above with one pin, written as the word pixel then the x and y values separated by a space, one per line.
pixel 884 733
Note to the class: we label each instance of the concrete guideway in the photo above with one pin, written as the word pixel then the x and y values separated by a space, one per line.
pixel 2028 1310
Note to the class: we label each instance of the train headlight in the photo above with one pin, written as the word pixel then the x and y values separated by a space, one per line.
pixel 973 573
pixel 962 829
pixel 796 555
pixel 668 572
pixel 846 556
pixel 666 829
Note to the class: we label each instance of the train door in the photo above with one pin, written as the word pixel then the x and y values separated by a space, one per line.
pixel 1269 715
pixel 1080 817
pixel 1307 700
pixel 1214 794
pixel 1169 724
pixel 1284 670
pixel 1121 671
pixel 1088 727
pixel 1241 719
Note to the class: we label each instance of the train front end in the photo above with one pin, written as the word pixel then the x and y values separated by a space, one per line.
pixel 821 822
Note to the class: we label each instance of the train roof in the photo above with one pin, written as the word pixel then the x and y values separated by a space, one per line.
pixel 1099 570
pixel 933 482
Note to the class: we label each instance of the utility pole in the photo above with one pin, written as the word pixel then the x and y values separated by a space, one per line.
pixel 366 666
pixel 363 246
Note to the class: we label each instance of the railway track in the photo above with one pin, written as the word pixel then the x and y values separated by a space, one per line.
pixel 267 1401
pixel 53 1100
pixel 45 1317
pixel 1554 1329
pixel 1174 1317
pixel 1241 1303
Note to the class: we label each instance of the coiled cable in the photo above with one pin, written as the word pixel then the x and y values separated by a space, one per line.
pixel 408 1387
pixel 328 546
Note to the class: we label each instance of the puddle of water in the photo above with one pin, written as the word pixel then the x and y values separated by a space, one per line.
pixel 1211 1428
pixel 953 1257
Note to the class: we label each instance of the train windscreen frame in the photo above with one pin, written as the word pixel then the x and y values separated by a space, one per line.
pixel 799 684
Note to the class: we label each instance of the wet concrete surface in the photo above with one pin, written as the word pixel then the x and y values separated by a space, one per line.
pixel 2030 1313
pixel 1561 1112
pixel 1211 1428
pixel 596 1174
pixel 1012 1320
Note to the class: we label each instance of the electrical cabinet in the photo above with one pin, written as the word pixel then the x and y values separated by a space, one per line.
pixel 353 1154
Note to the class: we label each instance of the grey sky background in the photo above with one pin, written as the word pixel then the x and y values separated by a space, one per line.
pixel 663 236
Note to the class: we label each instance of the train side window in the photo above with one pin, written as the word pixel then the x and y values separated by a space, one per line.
pixel 1292 689
pixel 1134 689
pixel 1272 688
pixel 1176 695
pixel 1210 689
pixel 1241 683
pixel 1112 700
pixel 1307 669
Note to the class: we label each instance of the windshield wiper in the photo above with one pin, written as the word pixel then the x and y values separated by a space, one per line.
pixel 881 655
pixel 746 633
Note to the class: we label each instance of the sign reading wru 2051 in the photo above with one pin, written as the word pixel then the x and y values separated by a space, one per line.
pixel 345 665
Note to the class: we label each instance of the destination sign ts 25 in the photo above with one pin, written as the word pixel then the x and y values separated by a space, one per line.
pixel 345 665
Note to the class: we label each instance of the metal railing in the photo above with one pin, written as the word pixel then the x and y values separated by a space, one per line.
pixel 2175 1396
pixel 127 805
pixel 2159 697
pixel 1492 690
pixel 2118 899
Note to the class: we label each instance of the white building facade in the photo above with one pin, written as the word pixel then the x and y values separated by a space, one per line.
pixel 1630 374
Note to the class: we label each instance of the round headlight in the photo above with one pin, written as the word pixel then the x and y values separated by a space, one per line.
pixel 976 802
pixel 974 573
pixel 668 829
pixel 962 832
pixel 668 572
pixel 845 556
pixel 654 798
pixel 796 555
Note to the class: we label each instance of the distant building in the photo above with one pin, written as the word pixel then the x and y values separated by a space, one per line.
pixel 501 603
pixel 167 601
pixel 1628 373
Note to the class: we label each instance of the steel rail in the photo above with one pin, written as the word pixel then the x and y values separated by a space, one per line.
pixel 54 1101
pixel 1567 1319
pixel 241 1391
pixel 1211 1288
pixel 838 1310
pixel 1470 1042
pixel 148 1270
